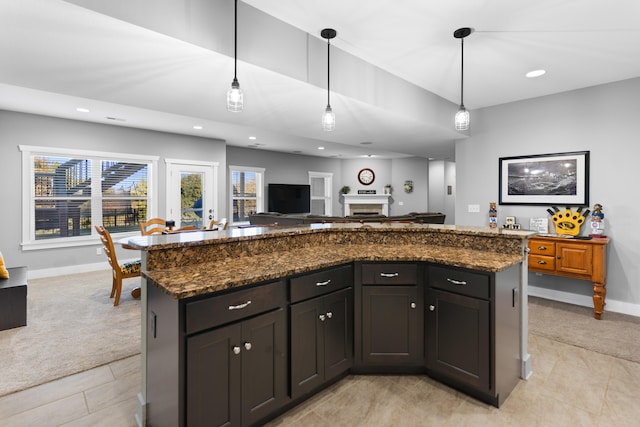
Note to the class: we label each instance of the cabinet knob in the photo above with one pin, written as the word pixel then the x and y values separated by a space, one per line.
pixel 542 262
pixel 236 349
pixel 247 346
pixel 329 315
pixel 542 248
pixel 322 317
pixel 432 307
pixel 413 305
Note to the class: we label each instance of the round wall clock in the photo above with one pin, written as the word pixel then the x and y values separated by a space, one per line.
pixel 366 176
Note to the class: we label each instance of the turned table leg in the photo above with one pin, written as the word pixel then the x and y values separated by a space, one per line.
pixel 599 295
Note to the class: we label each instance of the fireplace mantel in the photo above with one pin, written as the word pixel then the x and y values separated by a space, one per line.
pixel 380 200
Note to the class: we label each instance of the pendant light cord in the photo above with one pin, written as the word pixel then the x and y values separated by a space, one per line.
pixel 462 71
pixel 235 41
pixel 328 71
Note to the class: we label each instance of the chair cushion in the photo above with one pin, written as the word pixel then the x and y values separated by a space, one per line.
pixel 131 267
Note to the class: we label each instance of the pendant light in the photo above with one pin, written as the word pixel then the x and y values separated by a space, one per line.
pixel 462 116
pixel 328 118
pixel 235 98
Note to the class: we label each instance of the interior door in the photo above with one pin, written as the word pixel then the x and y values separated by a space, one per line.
pixel 191 193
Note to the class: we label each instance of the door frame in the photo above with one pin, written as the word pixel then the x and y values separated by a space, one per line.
pixel 174 166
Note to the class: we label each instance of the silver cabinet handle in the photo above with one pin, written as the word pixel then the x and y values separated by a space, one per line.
pixel 323 283
pixel 432 307
pixel 389 274
pixel 456 282
pixel 542 262
pixel 236 349
pixel 413 305
pixel 542 248
pixel 239 306
pixel 322 317
pixel 247 346
pixel 329 315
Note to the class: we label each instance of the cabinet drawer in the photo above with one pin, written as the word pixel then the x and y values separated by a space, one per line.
pixel 542 247
pixel 390 274
pixel 542 262
pixel 218 310
pixel 320 283
pixel 459 281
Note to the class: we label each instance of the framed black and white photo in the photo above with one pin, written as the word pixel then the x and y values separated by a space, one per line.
pixel 560 179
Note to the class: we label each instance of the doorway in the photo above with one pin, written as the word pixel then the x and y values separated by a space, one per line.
pixel 192 198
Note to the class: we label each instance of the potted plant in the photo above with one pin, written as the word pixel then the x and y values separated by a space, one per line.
pixel 345 189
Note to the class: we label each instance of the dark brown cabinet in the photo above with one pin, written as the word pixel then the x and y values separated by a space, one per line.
pixel 472 330
pixel 236 375
pixel 392 314
pixel 321 328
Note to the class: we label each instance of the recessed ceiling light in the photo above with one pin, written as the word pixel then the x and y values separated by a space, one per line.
pixel 83 110
pixel 253 138
pixel 198 127
pixel 535 73
pixel 320 148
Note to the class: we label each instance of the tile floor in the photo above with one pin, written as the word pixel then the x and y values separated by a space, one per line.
pixel 570 387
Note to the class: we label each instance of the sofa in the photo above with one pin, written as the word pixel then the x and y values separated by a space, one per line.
pixel 298 219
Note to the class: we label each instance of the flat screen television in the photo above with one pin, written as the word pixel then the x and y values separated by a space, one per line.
pixel 289 198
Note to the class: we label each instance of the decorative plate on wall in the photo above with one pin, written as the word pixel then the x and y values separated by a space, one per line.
pixel 366 176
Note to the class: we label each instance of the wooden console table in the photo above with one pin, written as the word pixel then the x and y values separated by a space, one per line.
pixel 574 258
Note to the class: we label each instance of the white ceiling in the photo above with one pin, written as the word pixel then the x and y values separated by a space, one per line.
pixel 56 56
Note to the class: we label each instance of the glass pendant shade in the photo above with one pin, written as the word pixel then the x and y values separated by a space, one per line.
pixel 328 119
pixel 462 118
pixel 235 98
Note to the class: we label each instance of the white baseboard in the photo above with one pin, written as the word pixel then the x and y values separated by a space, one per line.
pixel 71 269
pixel 585 301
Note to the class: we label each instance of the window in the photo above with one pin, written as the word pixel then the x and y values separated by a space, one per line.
pixel 246 192
pixel 321 199
pixel 70 191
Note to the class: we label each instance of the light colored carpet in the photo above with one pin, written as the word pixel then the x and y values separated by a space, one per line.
pixel 72 326
pixel 615 334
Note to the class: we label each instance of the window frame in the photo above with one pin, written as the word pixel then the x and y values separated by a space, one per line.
pixel 29 241
pixel 259 191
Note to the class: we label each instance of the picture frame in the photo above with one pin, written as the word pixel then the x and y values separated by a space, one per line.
pixel 559 179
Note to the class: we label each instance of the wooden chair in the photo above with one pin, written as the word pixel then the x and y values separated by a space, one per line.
pixel 119 271
pixel 153 226
pixel 220 225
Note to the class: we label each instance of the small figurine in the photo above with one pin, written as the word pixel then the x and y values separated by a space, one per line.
pixel 597 214
pixel 493 215
pixel 597 221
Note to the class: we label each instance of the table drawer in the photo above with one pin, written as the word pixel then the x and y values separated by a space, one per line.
pixel 218 310
pixel 321 282
pixel 542 262
pixel 459 281
pixel 390 274
pixel 542 247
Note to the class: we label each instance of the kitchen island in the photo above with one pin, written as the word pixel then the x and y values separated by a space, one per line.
pixel 206 291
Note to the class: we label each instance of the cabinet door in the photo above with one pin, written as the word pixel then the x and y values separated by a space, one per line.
pixel 213 378
pixel 307 338
pixel 390 325
pixel 574 258
pixel 458 338
pixel 264 364
pixel 338 332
